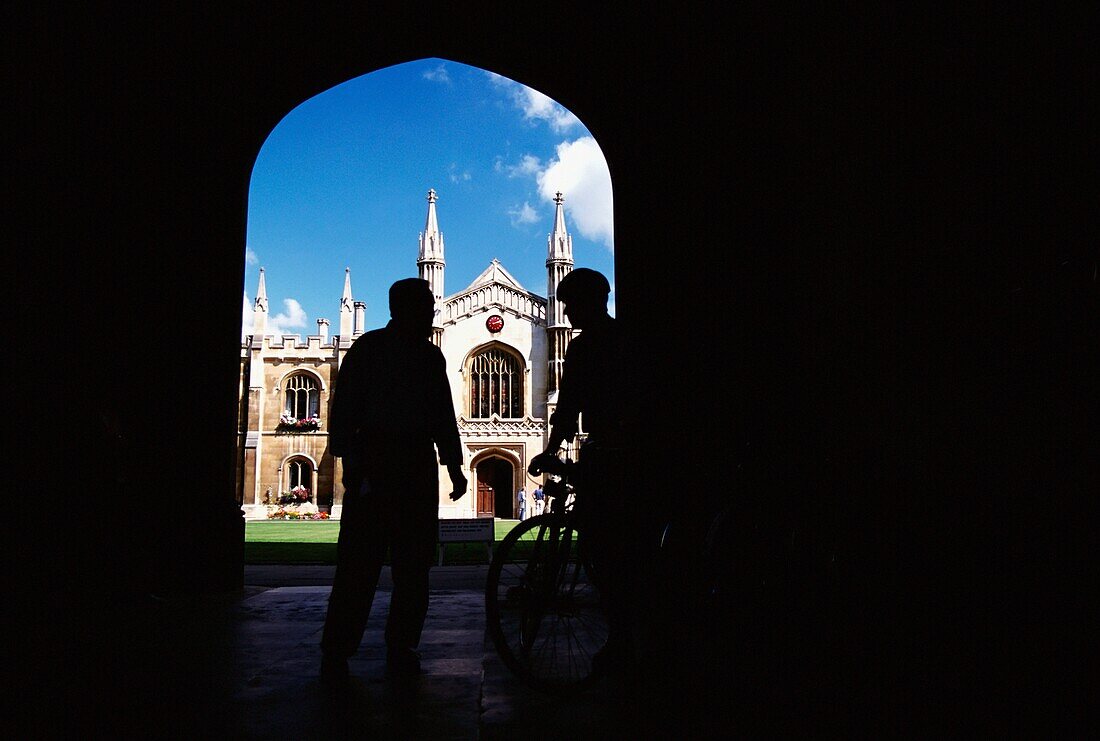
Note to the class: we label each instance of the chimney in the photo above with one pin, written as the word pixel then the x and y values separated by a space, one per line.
pixel 322 329
pixel 360 318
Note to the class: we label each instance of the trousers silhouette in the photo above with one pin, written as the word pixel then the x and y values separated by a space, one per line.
pixel 393 509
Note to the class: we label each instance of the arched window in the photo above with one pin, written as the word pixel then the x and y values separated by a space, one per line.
pixel 496 385
pixel 302 398
pixel 299 473
pixel 298 478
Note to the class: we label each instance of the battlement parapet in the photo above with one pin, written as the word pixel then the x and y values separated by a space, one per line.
pixel 292 345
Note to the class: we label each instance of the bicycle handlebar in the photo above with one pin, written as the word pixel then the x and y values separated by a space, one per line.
pixel 549 464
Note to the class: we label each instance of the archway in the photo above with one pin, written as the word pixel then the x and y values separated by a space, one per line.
pixel 494 488
pixel 498 168
pixel 510 214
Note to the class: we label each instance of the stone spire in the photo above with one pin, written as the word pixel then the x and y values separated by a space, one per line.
pixel 347 308
pixel 560 243
pixel 559 263
pixel 430 260
pixel 259 308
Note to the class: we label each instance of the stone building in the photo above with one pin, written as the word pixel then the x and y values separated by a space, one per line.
pixel 504 346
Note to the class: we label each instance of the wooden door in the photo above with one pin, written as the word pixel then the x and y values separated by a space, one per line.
pixel 484 499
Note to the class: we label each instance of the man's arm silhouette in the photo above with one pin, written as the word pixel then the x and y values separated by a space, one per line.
pixel 561 430
pixel 445 433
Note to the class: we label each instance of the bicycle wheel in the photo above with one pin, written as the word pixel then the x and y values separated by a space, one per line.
pixel 542 610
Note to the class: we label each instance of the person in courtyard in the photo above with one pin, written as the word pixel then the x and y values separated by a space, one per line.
pixel 540 499
pixel 391 411
pixel 521 503
pixel 596 363
pixel 568 496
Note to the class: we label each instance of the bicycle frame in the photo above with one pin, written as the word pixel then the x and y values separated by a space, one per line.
pixel 543 607
pixel 556 562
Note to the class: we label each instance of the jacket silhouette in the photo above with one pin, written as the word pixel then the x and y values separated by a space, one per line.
pixel 391 411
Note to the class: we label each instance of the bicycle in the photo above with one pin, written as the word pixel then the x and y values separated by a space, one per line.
pixel 542 603
pixel 544 610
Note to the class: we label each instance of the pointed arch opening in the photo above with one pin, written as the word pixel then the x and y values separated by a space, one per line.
pixel 337 213
pixel 497 476
pixel 495 383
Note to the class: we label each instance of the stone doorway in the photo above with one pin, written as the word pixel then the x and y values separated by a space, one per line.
pixel 494 488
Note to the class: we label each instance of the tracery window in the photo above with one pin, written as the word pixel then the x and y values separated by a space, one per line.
pixel 298 482
pixel 300 473
pixel 496 385
pixel 302 397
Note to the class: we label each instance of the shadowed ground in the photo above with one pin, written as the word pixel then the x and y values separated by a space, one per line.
pixel 245 666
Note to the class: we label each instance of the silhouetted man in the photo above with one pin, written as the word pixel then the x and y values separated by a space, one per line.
pixel 392 408
pixel 592 384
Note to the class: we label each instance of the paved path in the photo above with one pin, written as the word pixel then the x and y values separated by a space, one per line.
pixel 267 680
pixel 245 666
pixel 278 696
pixel 309 575
pixel 465 691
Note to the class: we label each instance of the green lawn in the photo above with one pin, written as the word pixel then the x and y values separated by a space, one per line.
pixel 314 541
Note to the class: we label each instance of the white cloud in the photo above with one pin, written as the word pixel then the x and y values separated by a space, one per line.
pixel 524 214
pixel 439 74
pixel 528 165
pixel 580 173
pixel 457 176
pixel 282 322
pixel 250 257
pixel 536 106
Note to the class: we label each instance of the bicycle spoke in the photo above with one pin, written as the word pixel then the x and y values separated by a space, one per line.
pixel 544 614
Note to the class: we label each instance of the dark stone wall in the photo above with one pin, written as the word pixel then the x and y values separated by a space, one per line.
pixel 853 246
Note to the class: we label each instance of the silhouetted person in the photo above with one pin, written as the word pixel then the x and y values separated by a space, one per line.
pixel 592 384
pixel 392 408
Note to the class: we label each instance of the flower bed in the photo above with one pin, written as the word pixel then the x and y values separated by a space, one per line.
pixel 298 495
pixel 293 514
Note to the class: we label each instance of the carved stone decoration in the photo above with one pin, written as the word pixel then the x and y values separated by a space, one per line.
pixel 497 426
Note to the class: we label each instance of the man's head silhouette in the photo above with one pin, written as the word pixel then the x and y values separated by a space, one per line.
pixel 412 306
pixel 584 292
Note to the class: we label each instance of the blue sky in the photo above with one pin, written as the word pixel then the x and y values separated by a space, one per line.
pixel 342 181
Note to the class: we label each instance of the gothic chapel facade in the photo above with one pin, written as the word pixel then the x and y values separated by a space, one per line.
pixel 504 347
